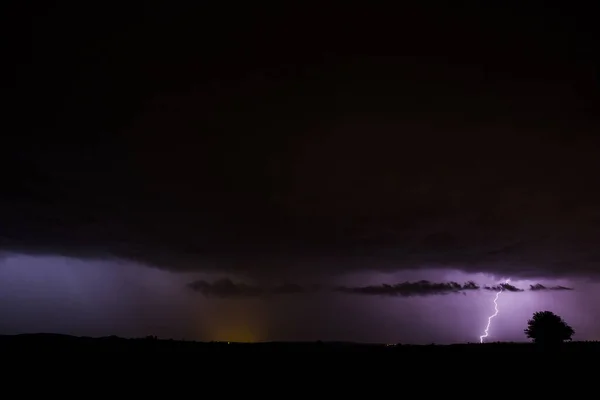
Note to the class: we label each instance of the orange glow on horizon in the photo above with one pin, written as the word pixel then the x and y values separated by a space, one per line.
pixel 237 322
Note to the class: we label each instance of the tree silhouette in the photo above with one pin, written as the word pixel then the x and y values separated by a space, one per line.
pixel 548 328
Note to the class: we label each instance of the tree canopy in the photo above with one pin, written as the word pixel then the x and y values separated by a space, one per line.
pixel 545 327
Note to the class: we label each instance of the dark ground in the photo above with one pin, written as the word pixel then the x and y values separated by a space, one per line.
pixel 62 343
pixel 173 369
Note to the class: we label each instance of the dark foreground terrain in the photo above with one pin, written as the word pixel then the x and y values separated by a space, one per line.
pixel 62 343
pixel 179 369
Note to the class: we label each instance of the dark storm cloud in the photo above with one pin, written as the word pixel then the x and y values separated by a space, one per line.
pixel 225 288
pixel 406 289
pixel 465 141
pixel 504 286
pixel 539 286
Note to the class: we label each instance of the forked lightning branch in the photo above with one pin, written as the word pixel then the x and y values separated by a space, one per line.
pixel 496 311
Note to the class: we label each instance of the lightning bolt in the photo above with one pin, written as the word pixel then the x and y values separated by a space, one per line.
pixel 496 311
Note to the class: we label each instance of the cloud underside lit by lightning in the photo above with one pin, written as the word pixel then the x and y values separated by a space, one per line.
pixel 496 311
pixel 226 288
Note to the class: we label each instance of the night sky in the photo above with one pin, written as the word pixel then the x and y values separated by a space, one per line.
pixel 255 173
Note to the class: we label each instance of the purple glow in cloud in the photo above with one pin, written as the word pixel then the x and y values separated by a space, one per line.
pixel 97 298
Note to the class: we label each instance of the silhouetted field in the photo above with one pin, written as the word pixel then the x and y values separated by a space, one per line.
pixel 62 343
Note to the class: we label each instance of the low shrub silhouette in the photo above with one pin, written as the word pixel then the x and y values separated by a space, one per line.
pixel 547 328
